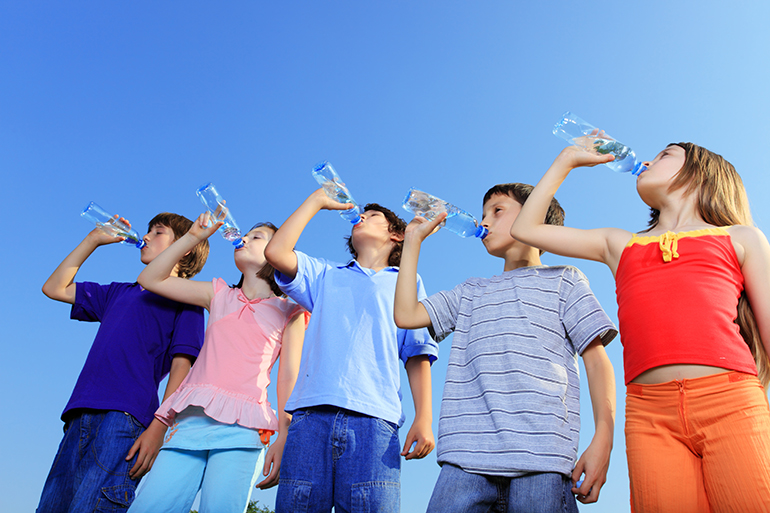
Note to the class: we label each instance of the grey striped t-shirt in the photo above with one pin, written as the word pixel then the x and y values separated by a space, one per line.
pixel 511 400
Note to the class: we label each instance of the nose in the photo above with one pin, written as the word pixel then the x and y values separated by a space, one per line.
pixel 146 237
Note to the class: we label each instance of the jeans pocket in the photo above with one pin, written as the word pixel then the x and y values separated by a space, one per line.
pixel 293 496
pixel 388 426
pixel 375 496
pixel 116 498
pixel 298 416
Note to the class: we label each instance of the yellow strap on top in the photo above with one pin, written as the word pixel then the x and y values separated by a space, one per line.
pixel 669 243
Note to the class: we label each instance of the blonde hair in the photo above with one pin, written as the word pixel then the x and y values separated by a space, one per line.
pixel 721 201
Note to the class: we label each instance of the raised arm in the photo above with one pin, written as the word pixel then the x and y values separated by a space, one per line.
pixel 291 351
pixel 280 250
pixel 602 245
pixel 408 312
pixel 61 284
pixel 157 276
pixel 595 461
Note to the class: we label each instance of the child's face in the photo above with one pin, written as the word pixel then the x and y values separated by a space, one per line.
pixel 158 239
pixel 660 171
pixel 252 254
pixel 500 212
pixel 374 226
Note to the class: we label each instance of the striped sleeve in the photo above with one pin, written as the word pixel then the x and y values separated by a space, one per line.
pixel 583 316
pixel 442 309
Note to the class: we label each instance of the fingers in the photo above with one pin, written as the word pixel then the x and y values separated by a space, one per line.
pixel 418 448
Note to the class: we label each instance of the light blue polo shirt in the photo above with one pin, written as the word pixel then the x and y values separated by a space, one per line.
pixel 352 345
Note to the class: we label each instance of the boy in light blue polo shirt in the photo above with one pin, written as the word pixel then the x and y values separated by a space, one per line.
pixel 342 448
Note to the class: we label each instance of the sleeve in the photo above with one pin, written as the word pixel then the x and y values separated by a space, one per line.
pixel 218 284
pixel 443 308
pixel 294 311
pixel 304 287
pixel 417 342
pixel 187 337
pixel 91 300
pixel 583 316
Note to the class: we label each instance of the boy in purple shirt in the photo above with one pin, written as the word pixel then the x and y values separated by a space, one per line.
pixel 110 435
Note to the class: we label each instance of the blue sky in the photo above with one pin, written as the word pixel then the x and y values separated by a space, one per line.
pixel 134 105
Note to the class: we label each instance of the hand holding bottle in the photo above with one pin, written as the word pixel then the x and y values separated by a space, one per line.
pixel 203 227
pixel 420 228
pixel 115 228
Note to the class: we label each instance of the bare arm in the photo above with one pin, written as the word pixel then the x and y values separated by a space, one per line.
pixel 156 277
pixel 408 312
pixel 291 352
pixel 280 250
pixel 602 245
pixel 595 461
pixel 61 284
pixel 756 274
pixel 148 444
pixel 421 432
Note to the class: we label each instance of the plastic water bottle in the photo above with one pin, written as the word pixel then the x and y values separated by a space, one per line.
pixel 216 205
pixel 458 221
pixel 111 225
pixel 335 188
pixel 576 131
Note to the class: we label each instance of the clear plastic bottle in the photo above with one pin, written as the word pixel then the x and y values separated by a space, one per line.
pixel 458 221
pixel 335 188
pixel 574 130
pixel 111 225
pixel 216 205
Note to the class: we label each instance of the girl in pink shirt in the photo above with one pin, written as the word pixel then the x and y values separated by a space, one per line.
pixel 220 419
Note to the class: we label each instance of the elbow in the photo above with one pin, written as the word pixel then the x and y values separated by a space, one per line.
pixel 272 253
pixel 48 290
pixel 398 318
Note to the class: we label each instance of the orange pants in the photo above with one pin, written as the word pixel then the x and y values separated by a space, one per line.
pixel 699 445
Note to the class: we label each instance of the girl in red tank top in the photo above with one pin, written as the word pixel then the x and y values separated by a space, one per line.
pixel 693 296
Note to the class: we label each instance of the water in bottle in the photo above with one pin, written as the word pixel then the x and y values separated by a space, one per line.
pixel 335 188
pixel 216 205
pixel 574 130
pixel 458 221
pixel 112 225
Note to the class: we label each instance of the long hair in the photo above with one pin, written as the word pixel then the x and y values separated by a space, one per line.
pixel 267 272
pixel 721 201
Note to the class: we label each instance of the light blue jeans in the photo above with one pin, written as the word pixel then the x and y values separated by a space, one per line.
pixel 225 478
pixel 336 457
pixel 90 471
pixel 462 492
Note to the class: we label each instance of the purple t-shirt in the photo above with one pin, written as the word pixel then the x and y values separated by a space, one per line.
pixel 139 335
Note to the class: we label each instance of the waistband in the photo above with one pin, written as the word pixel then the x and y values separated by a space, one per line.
pixel 690 384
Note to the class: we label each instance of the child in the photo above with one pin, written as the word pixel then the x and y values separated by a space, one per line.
pixel 510 415
pixel 343 447
pixel 142 337
pixel 697 420
pixel 220 414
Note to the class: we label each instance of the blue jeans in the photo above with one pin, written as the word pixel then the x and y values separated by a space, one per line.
pixel 336 457
pixel 90 471
pixel 463 492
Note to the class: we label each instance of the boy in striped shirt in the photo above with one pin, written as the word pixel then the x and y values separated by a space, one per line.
pixel 510 414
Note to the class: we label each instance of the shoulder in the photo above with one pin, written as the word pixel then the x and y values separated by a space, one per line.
pixel 747 240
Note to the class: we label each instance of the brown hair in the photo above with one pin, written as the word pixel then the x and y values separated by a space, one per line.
pixel 721 201
pixel 192 263
pixel 267 272
pixel 520 192
pixel 395 225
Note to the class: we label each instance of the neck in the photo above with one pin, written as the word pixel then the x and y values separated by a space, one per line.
pixel 375 258
pixel 679 213
pixel 255 288
pixel 525 256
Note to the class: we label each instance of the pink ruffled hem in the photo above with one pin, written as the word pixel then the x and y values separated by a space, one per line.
pixel 221 405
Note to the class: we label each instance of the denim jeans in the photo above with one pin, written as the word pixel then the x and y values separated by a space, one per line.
pixel 90 471
pixel 463 492
pixel 335 457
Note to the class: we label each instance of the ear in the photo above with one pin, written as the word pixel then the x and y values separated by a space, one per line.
pixel 397 237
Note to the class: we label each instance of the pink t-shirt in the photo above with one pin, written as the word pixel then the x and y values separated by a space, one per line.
pixel 230 377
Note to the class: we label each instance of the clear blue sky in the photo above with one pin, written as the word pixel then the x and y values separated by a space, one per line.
pixel 135 104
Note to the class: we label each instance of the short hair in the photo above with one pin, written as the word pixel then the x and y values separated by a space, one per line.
pixel 520 192
pixel 267 272
pixel 192 263
pixel 395 225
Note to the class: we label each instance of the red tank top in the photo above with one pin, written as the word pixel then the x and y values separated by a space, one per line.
pixel 678 300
